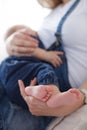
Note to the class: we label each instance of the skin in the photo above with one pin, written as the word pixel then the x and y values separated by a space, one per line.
pixel 20 44
pixel 49 3
pixel 53 98
pixel 40 108
pixel 52 57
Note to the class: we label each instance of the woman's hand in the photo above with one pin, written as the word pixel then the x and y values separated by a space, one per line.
pixel 40 108
pixel 21 43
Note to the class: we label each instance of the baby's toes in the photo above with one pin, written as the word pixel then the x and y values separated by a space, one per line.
pixel 47 97
pixel 49 89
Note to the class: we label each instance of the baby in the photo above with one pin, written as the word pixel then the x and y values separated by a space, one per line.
pixel 46 93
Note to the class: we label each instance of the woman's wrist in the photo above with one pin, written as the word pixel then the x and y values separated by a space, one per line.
pixel 77 105
pixel 84 93
pixel 82 97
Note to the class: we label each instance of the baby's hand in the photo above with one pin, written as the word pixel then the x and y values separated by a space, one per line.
pixel 54 58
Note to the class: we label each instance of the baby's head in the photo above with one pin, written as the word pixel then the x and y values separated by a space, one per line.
pixel 50 3
pixel 18 27
pixel 13 29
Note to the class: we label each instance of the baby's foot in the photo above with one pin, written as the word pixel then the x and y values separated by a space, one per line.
pixel 69 97
pixel 40 92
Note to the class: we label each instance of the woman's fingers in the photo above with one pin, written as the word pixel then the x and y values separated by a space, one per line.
pixel 21 39
pixel 22 88
pixel 29 31
pixel 21 44
pixel 26 43
pixel 22 51
pixel 27 34
pixel 33 82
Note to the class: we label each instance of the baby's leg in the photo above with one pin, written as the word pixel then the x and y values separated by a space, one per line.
pixel 41 92
pixel 69 97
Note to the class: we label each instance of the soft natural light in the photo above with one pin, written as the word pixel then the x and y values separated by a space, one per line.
pixel 13 12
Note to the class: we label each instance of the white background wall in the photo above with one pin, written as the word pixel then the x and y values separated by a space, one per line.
pixel 13 12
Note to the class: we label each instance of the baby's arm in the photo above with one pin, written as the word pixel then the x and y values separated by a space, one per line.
pixel 52 57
